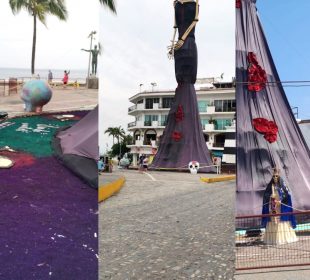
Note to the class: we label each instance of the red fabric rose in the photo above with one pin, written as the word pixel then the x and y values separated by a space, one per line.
pixel 238 4
pixel 176 136
pixel 270 137
pixel 179 115
pixel 257 77
pixel 268 128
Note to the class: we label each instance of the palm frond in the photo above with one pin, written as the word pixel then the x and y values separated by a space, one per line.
pixel 17 5
pixel 58 9
pixel 109 4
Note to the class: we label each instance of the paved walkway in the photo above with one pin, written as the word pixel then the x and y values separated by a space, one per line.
pixel 165 225
pixel 63 99
pixel 105 177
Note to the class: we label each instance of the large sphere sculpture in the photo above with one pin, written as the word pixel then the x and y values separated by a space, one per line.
pixel 35 94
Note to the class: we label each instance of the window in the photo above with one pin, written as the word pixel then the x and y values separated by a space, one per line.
pixel 225 105
pixel 202 105
pixel 204 122
pixel 150 101
pixel 148 119
pixel 167 102
pixel 220 124
pixel 163 119
pixel 218 105
pixel 233 105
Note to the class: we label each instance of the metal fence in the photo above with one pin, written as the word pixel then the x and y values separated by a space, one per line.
pixel 254 249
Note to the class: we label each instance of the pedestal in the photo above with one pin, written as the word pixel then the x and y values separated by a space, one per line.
pixel 92 82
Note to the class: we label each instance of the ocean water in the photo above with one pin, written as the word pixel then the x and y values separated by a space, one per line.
pixel 23 73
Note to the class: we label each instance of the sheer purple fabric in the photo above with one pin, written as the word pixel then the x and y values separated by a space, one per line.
pixel 82 138
pixel 177 153
pixel 255 156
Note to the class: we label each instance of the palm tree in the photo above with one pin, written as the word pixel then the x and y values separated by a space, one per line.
pixel 39 9
pixel 112 132
pixel 120 133
pixel 110 4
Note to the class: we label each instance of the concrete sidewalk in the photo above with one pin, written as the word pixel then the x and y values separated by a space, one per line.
pixel 63 99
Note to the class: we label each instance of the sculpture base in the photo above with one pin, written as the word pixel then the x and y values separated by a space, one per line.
pixel 92 82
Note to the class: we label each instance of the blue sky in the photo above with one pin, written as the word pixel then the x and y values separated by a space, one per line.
pixel 287 26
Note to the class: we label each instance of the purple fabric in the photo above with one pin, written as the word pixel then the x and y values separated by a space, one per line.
pixel 48 223
pixel 255 156
pixel 192 145
pixel 82 138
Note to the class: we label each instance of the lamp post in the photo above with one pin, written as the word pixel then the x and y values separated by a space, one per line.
pixel 140 87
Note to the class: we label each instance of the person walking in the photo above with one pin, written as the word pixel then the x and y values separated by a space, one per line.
pixel 65 79
pixel 141 159
pixel 50 77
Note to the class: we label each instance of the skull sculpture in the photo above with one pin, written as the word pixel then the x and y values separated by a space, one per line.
pixel 193 167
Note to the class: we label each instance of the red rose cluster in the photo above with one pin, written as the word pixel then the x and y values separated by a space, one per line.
pixel 238 4
pixel 176 136
pixel 179 115
pixel 257 77
pixel 268 128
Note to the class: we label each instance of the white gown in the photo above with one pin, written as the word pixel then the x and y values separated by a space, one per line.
pixel 278 232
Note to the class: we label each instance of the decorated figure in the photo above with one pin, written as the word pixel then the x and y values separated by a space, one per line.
pixel 183 140
pixel 277 200
pixel 35 94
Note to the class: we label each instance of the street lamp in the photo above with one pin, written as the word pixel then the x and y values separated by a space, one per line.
pixel 140 87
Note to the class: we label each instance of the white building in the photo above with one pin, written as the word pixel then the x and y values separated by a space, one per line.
pixel 217 107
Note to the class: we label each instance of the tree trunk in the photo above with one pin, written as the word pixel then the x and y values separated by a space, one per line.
pixel 34 43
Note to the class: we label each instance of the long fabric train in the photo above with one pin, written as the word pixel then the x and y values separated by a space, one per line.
pixel 276 139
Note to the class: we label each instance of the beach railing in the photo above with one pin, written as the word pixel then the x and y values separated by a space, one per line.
pixel 14 85
pixel 256 249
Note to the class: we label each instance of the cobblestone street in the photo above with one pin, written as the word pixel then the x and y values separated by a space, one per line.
pixel 165 225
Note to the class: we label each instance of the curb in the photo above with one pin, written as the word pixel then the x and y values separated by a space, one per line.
pixel 218 179
pixel 107 190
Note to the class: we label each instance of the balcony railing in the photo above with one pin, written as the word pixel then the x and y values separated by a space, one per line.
pixel 218 145
pixel 132 124
pixel 147 123
pixel 132 108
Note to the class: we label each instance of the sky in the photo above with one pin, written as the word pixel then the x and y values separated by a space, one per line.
pixel 135 52
pixel 286 24
pixel 58 45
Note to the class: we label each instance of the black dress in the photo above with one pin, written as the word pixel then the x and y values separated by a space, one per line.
pixel 183 140
pixel 186 56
